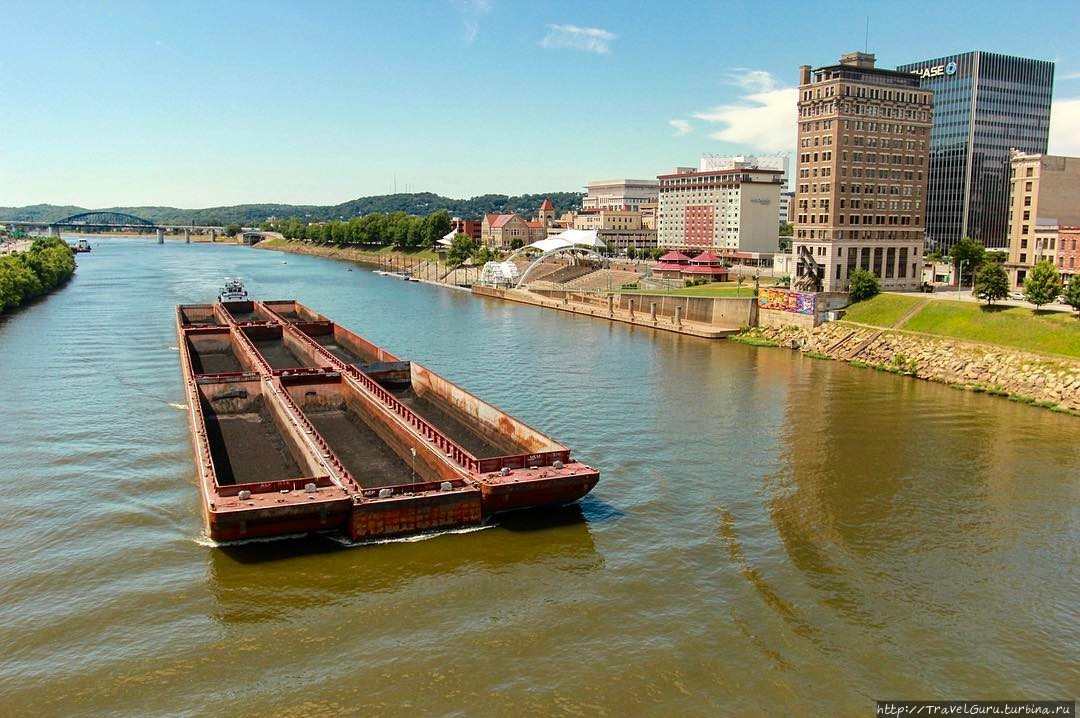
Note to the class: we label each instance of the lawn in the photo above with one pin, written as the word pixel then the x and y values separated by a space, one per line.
pixel 884 310
pixel 714 289
pixel 1020 327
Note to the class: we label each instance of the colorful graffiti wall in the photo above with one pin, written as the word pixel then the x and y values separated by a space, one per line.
pixel 786 300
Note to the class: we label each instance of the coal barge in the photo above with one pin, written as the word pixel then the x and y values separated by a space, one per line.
pixel 300 425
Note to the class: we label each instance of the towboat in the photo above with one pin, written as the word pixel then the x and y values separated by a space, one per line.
pixel 300 425
pixel 233 291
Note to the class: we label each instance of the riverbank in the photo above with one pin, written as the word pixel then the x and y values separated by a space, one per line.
pixel 363 256
pixel 24 276
pixel 1052 382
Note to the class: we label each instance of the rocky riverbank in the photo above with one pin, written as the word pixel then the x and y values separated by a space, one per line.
pixel 1050 382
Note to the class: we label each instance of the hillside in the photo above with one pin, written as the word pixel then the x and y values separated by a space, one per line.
pixel 420 203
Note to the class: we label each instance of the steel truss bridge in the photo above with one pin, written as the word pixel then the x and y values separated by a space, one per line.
pixel 114 220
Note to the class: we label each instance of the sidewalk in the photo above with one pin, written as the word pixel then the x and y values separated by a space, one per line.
pixel 950 294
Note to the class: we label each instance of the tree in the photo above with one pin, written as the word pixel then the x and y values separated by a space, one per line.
pixel 1043 284
pixel 231 230
pixel 517 243
pixel 991 282
pixel 863 284
pixel 967 251
pixel 1072 293
pixel 631 252
pixel 461 248
pixel 437 227
pixel 786 229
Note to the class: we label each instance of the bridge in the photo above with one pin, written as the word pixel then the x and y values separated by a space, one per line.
pixel 116 220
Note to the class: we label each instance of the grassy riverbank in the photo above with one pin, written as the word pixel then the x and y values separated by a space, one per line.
pixel 1047 332
pixel 374 256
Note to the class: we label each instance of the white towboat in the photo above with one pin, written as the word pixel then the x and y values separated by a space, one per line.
pixel 233 291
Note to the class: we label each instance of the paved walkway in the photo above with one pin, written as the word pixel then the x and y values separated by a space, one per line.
pixel 946 294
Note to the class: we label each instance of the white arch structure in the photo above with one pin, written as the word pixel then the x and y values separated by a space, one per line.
pixel 572 242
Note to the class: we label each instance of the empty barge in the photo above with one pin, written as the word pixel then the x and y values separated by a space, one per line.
pixel 300 425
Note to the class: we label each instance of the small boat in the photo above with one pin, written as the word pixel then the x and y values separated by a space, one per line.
pixel 81 246
pixel 233 291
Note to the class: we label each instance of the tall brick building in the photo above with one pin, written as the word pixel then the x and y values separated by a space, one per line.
pixel 861 175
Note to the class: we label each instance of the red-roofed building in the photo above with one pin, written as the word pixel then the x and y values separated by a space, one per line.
pixel 499 231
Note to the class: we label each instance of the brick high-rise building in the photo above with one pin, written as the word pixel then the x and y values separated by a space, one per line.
pixel 1043 197
pixel 861 175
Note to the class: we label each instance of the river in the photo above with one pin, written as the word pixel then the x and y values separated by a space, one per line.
pixel 771 534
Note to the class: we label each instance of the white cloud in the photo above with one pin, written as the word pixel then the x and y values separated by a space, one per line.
pixel 1065 127
pixel 471 10
pixel 752 80
pixel 763 119
pixel 588 39
pixel 682 127
pixel 1069 76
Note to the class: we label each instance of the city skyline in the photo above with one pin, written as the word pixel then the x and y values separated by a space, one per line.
pixel 132 104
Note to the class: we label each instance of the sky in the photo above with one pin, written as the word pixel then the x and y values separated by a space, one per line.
pixel 197 104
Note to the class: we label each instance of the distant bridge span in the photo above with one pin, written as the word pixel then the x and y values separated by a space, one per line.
pixel 103 219
pixel 117 220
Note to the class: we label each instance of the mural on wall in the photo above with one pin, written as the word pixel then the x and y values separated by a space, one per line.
pixel 786 300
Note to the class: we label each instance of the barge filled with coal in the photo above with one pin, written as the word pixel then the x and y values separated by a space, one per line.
pixel 300 425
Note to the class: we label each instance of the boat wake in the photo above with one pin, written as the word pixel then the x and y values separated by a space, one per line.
pixel 208 542
pixel 413 538
pixel 339 539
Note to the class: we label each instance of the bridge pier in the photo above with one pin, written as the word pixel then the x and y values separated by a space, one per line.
pixel 160 236
pixel 187 235
pixel 54 230
pixel 213 235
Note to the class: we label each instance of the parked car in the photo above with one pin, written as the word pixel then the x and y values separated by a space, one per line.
pixel 1016 295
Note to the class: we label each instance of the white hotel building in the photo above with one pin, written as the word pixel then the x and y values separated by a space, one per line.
pixel 727 210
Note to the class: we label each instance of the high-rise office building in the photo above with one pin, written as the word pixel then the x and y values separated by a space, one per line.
pixel 860 184
pixel 984 105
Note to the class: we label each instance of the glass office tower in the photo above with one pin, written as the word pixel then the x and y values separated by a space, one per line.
pixel 984 104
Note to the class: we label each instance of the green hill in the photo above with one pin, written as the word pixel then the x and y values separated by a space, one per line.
pixel 418 203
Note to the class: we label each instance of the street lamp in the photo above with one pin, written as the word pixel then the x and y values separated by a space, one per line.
pixel 960 279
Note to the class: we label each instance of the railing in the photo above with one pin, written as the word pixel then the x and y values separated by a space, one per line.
pixel 300 419
pixel 427 431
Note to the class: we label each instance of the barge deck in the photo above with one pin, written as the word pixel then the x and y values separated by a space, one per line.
pixel 301 425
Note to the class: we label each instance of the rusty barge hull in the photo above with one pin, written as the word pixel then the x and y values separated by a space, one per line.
pixel 299 425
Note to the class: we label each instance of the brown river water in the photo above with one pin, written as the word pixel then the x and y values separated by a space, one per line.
pixel 771 535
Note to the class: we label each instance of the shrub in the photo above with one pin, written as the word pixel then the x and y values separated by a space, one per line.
pixel 863 285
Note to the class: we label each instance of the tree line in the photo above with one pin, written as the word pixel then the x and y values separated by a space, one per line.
pixel 249 215
pixel 395 229
pixel 27 275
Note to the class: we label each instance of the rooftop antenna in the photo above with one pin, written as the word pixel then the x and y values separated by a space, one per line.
pixel 866 38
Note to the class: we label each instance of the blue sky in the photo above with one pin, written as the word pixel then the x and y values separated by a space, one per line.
pixel 198 104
